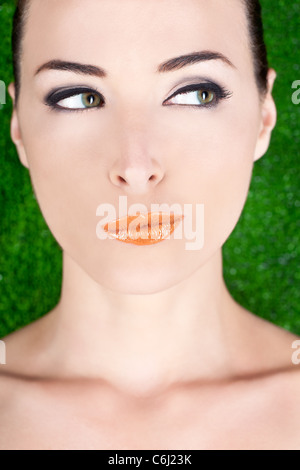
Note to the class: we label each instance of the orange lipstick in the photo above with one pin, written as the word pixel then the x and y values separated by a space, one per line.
pixel 143 229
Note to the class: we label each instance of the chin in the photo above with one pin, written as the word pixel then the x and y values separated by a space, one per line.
pixel 137 279
pixel 130 270
pixel 140 281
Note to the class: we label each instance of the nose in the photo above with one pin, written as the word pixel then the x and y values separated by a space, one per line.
pixel 137 179
pixel 135 170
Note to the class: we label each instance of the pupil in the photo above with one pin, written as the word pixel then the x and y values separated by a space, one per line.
pixel 88 99
pixel 205 96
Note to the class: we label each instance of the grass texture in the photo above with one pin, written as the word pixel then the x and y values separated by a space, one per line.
pixel 261 257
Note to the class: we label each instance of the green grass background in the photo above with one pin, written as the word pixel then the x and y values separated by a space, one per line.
pixel 261 257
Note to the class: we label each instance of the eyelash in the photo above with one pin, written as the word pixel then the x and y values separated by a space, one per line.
pixel 220 94
pixel 57 95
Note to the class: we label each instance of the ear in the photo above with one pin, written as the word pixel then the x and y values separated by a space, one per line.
pixel 15 131
pixel 268 119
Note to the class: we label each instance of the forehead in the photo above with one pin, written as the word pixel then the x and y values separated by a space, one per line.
pixel 133 33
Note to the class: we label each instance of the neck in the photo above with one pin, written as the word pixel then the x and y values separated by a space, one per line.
pixel 142 344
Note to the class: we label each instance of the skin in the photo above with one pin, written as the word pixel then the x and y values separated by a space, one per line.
pixel 144 338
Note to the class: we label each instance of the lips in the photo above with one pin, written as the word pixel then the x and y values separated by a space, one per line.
pixel 143 229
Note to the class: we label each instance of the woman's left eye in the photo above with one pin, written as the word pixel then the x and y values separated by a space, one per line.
pixel 206 96
pixel 201 97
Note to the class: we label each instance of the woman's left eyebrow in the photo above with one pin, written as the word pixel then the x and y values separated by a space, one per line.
pixel 170 65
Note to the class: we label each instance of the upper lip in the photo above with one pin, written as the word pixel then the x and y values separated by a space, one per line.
pixel 145 219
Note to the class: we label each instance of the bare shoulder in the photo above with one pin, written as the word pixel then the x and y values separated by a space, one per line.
pixel 6 388
pixel 11 390
pixel 262 347
pixel 21 374
pixel 283 391
pixel 287 382
pixel 25 347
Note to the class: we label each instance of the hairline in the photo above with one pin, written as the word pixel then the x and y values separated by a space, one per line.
pixel 24 22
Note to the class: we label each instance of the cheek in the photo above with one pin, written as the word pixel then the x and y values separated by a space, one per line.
pixel 217 169
pixel 67 174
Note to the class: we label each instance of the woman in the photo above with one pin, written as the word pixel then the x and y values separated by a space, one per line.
pixel 159 104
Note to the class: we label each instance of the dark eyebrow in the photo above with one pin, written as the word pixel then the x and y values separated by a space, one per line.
pixel 179 62
pixel 169 66
pixel 75 67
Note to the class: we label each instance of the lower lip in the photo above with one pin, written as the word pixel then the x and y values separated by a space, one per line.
pixel 143 233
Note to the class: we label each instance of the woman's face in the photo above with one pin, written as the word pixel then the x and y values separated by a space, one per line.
pixel 200 154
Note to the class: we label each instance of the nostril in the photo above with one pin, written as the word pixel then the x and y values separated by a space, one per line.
pixel 122 180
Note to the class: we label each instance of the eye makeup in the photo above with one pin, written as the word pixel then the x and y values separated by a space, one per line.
pixel 219 93
pixel 60 94
pixel 215 92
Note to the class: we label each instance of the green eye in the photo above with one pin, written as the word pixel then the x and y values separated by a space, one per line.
pixel 84 100
pixel 200 97
pixel 205 97
pixel 90 100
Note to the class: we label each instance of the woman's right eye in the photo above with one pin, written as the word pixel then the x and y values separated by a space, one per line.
pixel 82 101
pixel 74 100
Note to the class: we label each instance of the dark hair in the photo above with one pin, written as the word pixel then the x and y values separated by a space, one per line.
pixel 19 21
pixel 255 28
pixel 257 44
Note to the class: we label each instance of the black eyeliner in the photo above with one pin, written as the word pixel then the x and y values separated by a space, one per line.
pixel 220 92
pixel 59 94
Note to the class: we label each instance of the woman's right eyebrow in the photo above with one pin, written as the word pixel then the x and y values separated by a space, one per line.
pixel 170 65
pixel 75 67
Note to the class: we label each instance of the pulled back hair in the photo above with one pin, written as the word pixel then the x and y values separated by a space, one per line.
pixel 255 29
